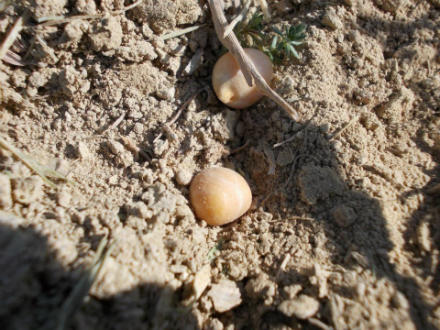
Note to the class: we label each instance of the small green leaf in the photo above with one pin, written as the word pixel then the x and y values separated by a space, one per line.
pixel 274 42
pixel 276 30
pixel 293 51
pixel 296 43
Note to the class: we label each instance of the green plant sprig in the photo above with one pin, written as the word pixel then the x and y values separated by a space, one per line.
pixel 279 45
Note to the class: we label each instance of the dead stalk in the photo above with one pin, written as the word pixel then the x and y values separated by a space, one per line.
pixel 179 112
pixel 249 70
pixel 11 37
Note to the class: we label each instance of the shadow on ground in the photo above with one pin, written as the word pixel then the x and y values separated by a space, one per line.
pixel 34 286
pixel 422 236
pixel 355 227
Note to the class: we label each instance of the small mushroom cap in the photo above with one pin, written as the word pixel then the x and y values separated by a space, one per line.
pixel 229 83
pixel 219 195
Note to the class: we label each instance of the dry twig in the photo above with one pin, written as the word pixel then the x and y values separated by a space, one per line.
pixel 55 20
pixel 42 171
pixel 81 290
pixel 179 112
pixel 343 128
pixel 11 37
pixel 248 68
pixel 179 33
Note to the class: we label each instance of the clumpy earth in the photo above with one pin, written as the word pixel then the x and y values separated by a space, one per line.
pixel 344 230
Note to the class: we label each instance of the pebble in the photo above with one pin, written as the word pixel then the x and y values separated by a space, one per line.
pixel 115 147
pixel 63 198
pixel 260 287
pixel 82 151
pixel 183 177
pixel 139 209
pixel 423 234
pixel 27 190
pixel 5 192
pixel 331 20
pixel 302 307
pixel 166 93
pixel 225 296
pixel 343 215
pixel 201 281
pixel 107 34
pixel 291 291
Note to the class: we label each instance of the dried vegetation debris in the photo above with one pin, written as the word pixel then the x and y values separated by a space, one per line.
pixel 99 100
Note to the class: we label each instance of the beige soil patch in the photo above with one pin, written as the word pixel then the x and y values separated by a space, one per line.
pixel 344 231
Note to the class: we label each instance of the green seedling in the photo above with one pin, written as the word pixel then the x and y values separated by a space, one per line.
pixel 279 45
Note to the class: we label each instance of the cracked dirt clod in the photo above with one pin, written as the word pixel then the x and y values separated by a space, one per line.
pixel 225 295
pixel 27 190
pixel 302 307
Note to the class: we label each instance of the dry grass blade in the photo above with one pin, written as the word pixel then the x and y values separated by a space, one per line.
pixel 11 36
pixel 13 58
pixel 179 112
pixel 179 33
pixel 42 171
pixel 54 20
pixel 248 68
pixel 81 290
pixel 241 16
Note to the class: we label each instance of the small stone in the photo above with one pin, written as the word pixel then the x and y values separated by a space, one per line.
pixel 260 287
pixel 292 291
pixel 302 307
pixel 331 20
pixel 106 35
pixel 63 198
pixel 213 324
pixel 5 192
pixel 225 296
pixel 27 190
pixel 86 7
pixel 83 151
pixel 74 31
pixel 423 235
pixel 160 147
pixel 201 281
pixel 140 210
pixel 184 176
pixel 113 180
pixel 166 93
pixel 115 147
pixel 344 216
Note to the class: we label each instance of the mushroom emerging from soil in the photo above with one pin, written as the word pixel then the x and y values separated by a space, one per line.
pixel 219 195
pixel 229 82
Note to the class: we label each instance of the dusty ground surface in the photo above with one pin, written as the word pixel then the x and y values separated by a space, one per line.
pixel 344 231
